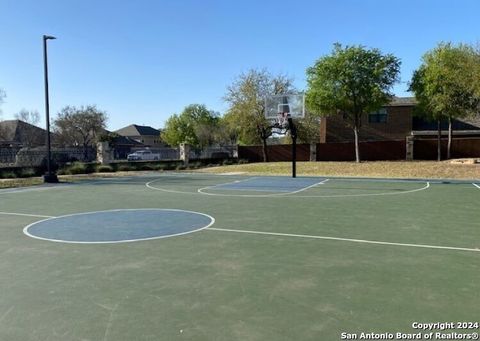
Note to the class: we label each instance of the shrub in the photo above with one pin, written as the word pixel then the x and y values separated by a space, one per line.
pixel 77 168
pixel 104 169
pixel 227 162
pixel 242 161
pixel 169 166
pixel 159 167
pixel 8 175
pixel 180 167
pixel 125 168
pixel 147 167
pixel 27 173
pixel 195 165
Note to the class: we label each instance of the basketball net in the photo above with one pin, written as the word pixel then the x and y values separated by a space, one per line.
pixel 282 120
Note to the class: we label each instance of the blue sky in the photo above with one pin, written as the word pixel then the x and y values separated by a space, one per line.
pixel 142 61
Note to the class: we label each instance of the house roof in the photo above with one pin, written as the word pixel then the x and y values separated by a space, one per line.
pixel 126 141
pixel 421 124
pixel 15 130
pixel 402 102
pixel 137 130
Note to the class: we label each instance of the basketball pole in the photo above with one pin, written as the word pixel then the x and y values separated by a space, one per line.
pixel 293 132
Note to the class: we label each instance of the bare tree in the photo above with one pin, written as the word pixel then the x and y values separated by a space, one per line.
pixel 29 116
pixel 246 97
pixel 2 130
pixel 2 96
pixel 31 134
pixel 80 126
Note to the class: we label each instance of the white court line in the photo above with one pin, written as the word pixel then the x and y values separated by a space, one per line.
pixel 149 185
pixel 345 239
pixel 226 183
pixel 25 229
pixel 31 189
pixel 263 195
pixel 27 215
pixel 111 182
pixel 476 186
pixel 364 194
pixel 285 195
pixel 308 187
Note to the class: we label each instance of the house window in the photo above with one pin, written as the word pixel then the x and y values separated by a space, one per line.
pixel 379 116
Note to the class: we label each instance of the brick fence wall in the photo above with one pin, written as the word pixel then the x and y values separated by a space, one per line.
pixel 424 149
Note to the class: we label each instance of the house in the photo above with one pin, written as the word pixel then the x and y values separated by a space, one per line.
pixel 123 146
pixel 17 133
pixel 146 135
pixel 468 127
pixel 394 121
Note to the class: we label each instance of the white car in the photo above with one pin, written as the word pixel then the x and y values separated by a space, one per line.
pixel 143 155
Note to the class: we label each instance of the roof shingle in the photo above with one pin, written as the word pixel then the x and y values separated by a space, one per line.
pixel 137 130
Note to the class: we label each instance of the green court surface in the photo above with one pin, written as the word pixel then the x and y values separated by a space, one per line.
pixel 231 257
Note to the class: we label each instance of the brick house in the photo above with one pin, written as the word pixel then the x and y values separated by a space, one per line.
pixel 394 121
pixel 391 122
pixel 146 135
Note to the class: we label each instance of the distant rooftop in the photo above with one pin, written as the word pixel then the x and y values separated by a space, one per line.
pixel 15 131
pixel 137 130
pixel 402 102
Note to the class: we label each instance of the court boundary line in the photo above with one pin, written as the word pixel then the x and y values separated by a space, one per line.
pixel 27 214
pixel 284 195
pixel 25 229
pixel 18 190
pixel 427 186
pixel 476 185
pixel 226 183
pixel 352 240
pixel 201 190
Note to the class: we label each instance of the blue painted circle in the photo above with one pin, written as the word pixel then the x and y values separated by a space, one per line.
pixel 118 225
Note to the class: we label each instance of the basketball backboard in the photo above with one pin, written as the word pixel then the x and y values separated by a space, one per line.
pixel 291 105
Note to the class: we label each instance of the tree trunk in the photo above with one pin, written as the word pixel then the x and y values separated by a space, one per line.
pixel 449 146
pixel 85 152
pixel 264 150
pixel 357 149
pixel 439 141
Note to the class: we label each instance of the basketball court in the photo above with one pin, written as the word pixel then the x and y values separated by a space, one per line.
pixel 167 256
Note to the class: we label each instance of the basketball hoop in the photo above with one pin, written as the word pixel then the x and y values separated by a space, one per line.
pixel 281 110
pixel 282 120
pixel 279 124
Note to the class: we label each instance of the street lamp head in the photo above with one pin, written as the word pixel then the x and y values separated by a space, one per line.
pixel 48 37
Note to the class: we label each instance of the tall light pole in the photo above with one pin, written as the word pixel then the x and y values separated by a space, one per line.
pixel 49 177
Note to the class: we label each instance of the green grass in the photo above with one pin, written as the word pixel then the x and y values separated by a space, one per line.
pixel 220 285
pixel 20 182
pixel 383 169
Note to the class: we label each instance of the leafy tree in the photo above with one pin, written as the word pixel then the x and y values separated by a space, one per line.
pixel 80 126
pixel 227 131
pixel 176 131
pixel 308 129
pixel 446 85
pixel 352 80
pixel 108 136
pixel 196 126
pixel 246 97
